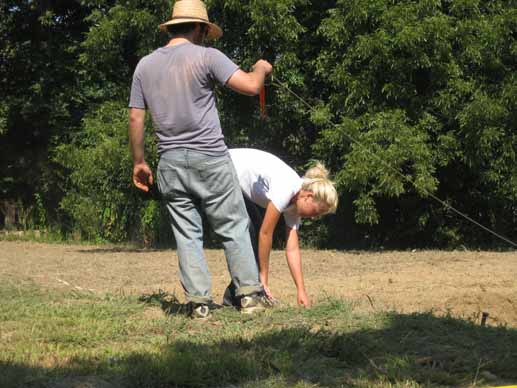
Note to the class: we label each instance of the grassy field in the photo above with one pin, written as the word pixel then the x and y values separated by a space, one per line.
pixel 57 339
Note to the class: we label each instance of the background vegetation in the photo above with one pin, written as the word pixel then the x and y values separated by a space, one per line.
pixel 429 87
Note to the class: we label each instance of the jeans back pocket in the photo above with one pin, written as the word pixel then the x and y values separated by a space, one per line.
pixel 168 182
pixel 217 176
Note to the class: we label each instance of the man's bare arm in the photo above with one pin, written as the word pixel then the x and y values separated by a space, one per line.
pixel 142 174
pixel 136 134
pixel 250 83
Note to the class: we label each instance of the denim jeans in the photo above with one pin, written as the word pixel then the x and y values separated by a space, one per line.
pixel 190 183
pixel 256 217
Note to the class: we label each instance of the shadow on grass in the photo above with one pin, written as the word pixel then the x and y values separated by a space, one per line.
pixel 395 349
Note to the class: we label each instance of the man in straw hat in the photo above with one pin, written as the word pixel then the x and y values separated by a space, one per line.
pixel 195 172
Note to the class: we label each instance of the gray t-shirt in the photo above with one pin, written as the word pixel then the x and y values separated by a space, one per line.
pixel 176 85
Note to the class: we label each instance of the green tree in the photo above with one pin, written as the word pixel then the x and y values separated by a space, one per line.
pixel 42 102
pixel 120 35
pixel 427 87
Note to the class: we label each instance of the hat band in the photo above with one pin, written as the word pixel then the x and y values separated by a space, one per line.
pixel 190 17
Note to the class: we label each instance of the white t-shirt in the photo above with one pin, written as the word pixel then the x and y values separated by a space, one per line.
pixel 263 177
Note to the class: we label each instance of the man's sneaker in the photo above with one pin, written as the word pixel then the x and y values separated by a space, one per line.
pixel 254 303
pixel 200 311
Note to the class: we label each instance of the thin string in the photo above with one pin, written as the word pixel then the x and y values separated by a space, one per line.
pixel 276 82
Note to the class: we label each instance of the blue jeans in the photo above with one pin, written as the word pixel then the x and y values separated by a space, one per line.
pixel 190 183
pixel 256 217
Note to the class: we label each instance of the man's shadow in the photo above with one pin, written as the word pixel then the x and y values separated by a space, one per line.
pixel 170 304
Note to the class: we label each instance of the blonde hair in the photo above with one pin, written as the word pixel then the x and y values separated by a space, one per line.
pixel 316 181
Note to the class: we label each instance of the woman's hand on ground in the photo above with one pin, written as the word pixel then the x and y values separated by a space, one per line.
pixel 303 299
pixel 268 293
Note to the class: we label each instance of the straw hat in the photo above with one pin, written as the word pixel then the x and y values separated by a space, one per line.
pixel 192 11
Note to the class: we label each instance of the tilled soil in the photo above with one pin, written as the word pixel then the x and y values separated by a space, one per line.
pixel 462 283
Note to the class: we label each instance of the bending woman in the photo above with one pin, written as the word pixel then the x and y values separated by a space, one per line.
pixel 266 181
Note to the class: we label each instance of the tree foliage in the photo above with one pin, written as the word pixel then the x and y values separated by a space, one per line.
pixel 409 100
pixel 39 88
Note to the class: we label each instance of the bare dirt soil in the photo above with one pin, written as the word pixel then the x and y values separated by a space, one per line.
pixel 463 283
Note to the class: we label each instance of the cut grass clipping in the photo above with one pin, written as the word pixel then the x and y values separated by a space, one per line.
pixel 51 339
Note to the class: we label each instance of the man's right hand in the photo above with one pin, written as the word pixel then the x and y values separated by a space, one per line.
pixel 142 176
pixel 264 66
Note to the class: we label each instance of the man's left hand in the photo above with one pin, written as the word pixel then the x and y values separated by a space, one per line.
pixel 142 176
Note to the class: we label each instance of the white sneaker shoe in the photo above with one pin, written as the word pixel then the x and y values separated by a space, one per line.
pixel 255 303
pixel 200 311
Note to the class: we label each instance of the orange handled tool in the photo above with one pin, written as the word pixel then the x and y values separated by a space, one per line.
pixel 262 100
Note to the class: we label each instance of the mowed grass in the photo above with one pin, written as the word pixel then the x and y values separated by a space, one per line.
pixel 52 339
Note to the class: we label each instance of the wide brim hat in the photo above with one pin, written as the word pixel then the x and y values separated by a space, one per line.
pixel 192 11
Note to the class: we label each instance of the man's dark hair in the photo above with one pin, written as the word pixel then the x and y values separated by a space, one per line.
pixel 181 29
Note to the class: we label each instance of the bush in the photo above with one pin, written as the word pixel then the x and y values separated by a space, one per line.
pixel 101 199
